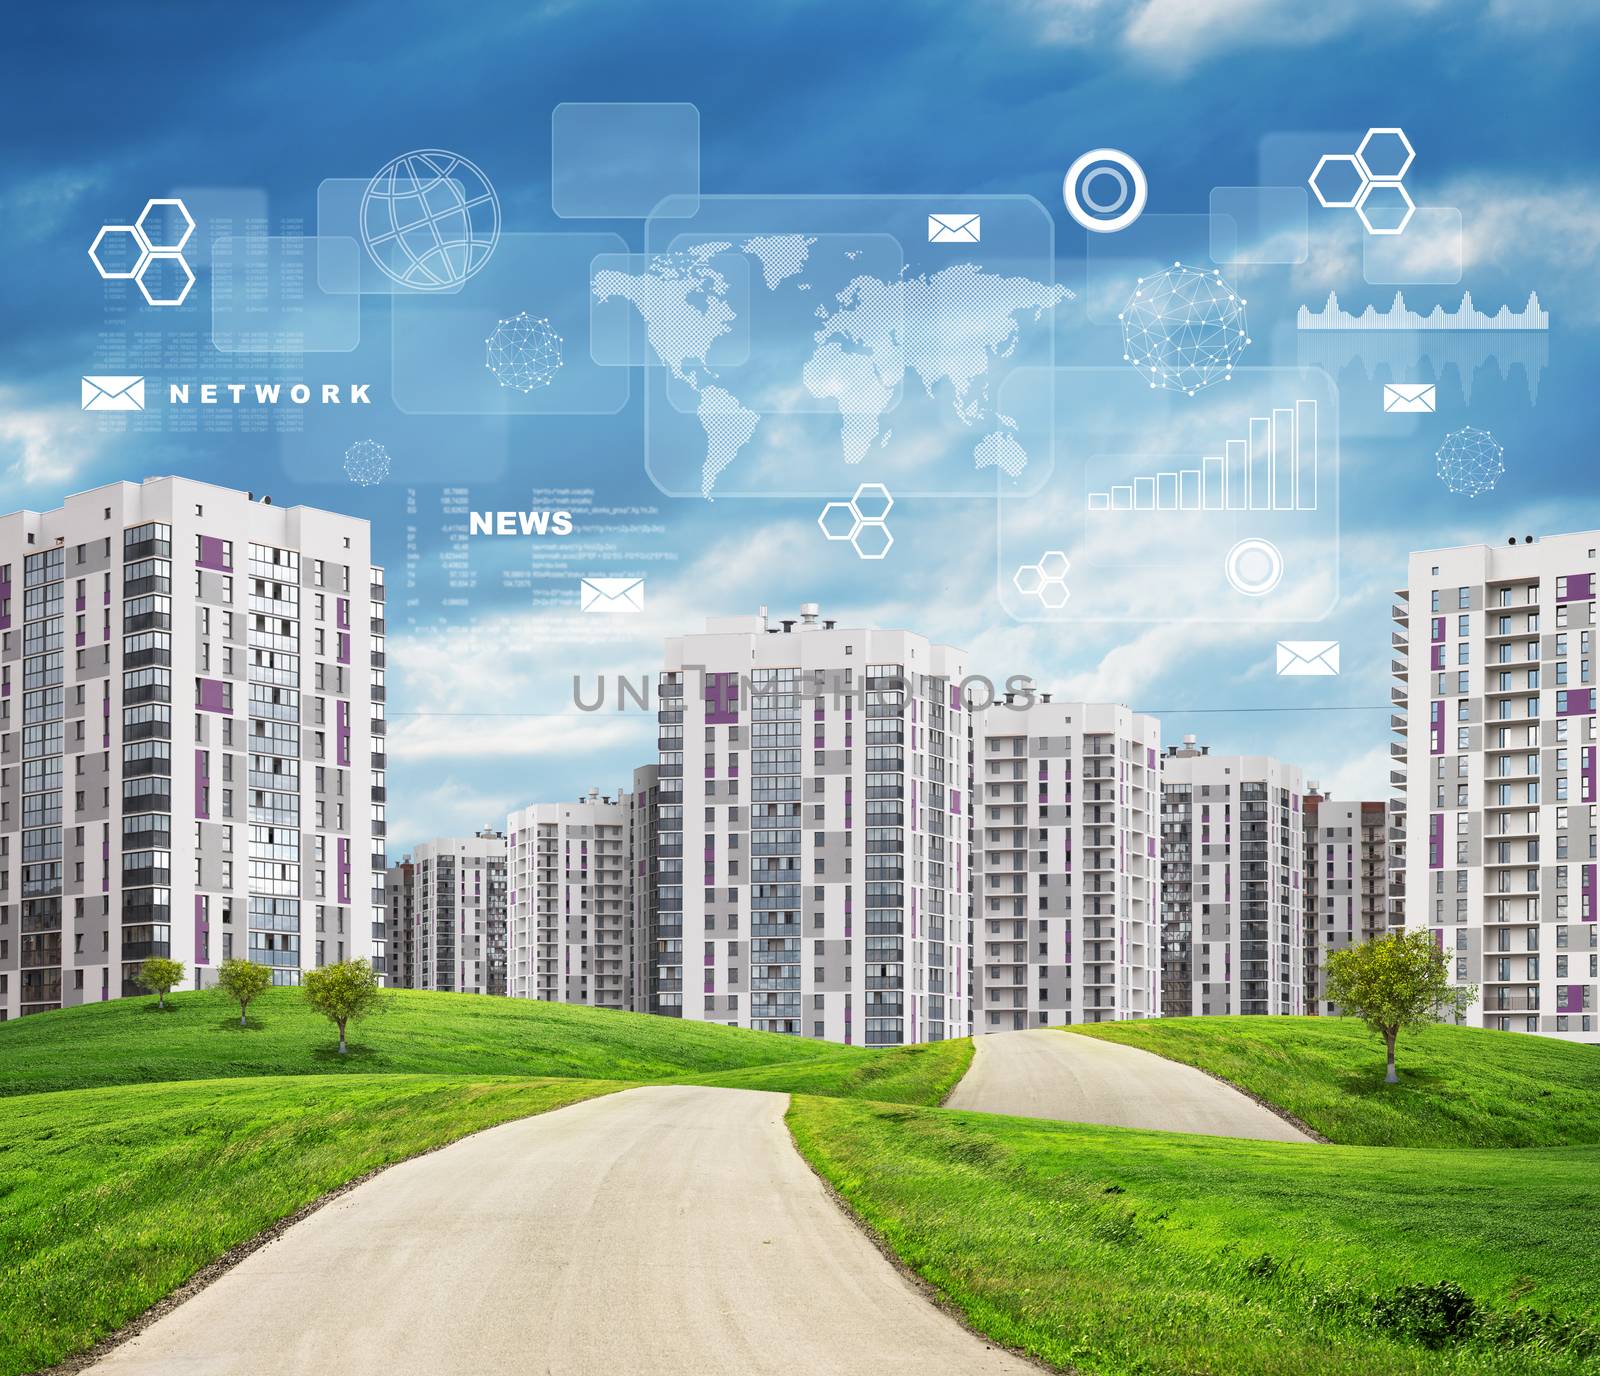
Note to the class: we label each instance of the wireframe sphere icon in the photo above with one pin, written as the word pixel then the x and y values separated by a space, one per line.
pixel 430 219
pixel 523 353
pixel 1184 328
pixel 1470 461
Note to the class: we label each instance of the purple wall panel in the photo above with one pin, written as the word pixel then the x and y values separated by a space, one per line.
pixel 722 699
pixel 214 696
pixel 1580 703
pixel 1580 588
pixel 212 556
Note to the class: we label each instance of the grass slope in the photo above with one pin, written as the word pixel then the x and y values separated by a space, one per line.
pixel 1113 1251
pixel 903 1075
pixel 1459 1086
pixel 127 1041
pixel 112 1198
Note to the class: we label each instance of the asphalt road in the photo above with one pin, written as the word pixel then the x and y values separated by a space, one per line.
pixel 1045 1074
pixel 655 1231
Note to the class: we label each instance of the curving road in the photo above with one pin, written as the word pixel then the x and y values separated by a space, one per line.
pixel 655 1231
pixel 1046 1074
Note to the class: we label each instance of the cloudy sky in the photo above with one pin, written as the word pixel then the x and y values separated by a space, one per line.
pixel 259 106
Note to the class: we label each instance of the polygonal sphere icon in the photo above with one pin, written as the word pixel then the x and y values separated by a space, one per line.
pixel 1054 566
pixel 135 248
pixel 1385 154
pixel 150 232
pixel 1028 579
pixel 1337 181
pixel 838 520
pixel 1385 207
pixel 872 501
pixel 872 540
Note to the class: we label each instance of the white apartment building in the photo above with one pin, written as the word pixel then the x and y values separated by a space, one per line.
pixel 569 907
pixel 1498 787
pixel 1346 883
pixel 447 915
pixel 811 831
pixel 1232 890
pixel 191 739
pixel 1067 880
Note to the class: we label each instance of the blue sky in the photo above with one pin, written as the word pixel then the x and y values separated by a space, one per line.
pixel 107 109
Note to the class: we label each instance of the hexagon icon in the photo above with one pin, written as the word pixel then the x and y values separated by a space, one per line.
pixel 135 242
pixel 157 260
pixel 1028 579
pixel 1385 207
pixel 1337 181
pixel 1053 566
pixel 1385 154
pixel 1054 595
pixel 872 501
pixel 150 239
pixel 838 520
pixel 872 539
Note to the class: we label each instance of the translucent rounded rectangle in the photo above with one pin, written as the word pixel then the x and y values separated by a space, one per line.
pixel 513 339
pixel 1114 263
pixel 1220 507
pixel 265 297
pixel 1259 224
pixel 878 341
pixel 339 206
pixel 1427 253
pixel 619 160
pixel 219 211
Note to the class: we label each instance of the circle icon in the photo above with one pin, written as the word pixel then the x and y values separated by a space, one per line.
pixel 1105 190
pixel 1254 567
pixel 430 219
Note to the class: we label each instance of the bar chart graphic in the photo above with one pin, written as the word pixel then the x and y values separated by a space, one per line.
pixel 1272 467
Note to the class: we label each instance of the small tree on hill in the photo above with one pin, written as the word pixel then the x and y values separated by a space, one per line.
pixel 160 976
pixel 343 993
pixel 242 981
pixel 1394 982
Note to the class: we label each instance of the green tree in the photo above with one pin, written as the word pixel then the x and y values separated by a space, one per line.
pixel 242 981
pixel 160 976
pixel 343 993
pixel 1395 982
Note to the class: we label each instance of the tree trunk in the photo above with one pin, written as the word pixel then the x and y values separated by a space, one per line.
pixel 161 999
pixel 341 1039
pixel 1390 1077
pixel 242 1007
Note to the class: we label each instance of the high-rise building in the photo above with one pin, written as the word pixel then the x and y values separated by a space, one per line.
pixel 447 915
pixel 185 670
pixel 811 829
pixel 1233 907
pixel 570 931
pixel 1499 783
pixel 1346 883
pixel 1067 883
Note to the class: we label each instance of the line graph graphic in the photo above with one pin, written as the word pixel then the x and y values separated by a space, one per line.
pixel 1273 467
pixel 1398 317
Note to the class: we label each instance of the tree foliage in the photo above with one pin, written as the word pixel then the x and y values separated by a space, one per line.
pixel 1394 982
pixel 243 981
pixel 343 993
pixel 160 976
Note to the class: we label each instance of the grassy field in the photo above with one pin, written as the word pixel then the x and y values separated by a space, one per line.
pixel 905 1075
pixel 127 1041
pixel 1459 1086
pixel 1120 1252
pixel 112 1198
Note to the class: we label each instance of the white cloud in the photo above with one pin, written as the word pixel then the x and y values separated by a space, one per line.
pixel 42 445
pixel 1180 34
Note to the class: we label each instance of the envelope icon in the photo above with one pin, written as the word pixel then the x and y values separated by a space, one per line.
pixel 611 595
pixel 1408 398
pixel 113 393
pixel 953 229
pixel 1308 658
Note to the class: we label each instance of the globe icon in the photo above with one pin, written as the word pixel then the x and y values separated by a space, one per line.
pixel 430 219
